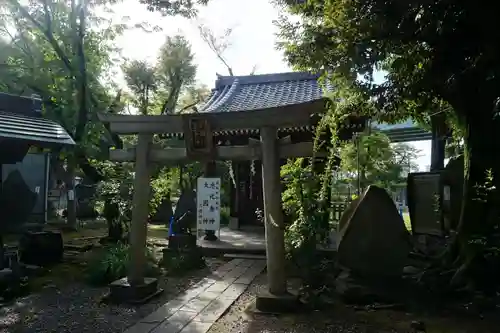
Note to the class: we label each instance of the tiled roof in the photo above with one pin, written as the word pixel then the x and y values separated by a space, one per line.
pixel 21 118
pixel 253 92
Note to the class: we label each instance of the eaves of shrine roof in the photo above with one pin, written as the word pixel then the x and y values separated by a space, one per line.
pixel 255 92
pixel 21 119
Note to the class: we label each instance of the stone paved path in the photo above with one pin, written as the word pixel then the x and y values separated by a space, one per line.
pixel 196 309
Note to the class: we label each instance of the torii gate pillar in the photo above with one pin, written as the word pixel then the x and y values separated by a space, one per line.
pixel 135 288
pixel 276 299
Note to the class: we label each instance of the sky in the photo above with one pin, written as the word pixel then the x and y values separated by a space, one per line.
pixel 252 41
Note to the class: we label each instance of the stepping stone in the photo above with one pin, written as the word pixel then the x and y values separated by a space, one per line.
pixel 141 328
pixel 244 256
pixel 198 308
pixel 196 327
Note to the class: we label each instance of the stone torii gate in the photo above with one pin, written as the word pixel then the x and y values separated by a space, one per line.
pixel 198 130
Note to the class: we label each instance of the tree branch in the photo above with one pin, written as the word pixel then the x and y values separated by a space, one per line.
pixel 47 33
pixel 210 39
pixel 190 106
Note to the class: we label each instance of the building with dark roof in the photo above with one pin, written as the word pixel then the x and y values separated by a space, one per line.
pixel 258 92
pixel 23 176
pixel 21 120
pixel 271 91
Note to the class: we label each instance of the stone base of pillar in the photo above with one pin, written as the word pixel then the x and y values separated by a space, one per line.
pixel 234 223
pixel 269 303
pixel 182 241
pixel 121 291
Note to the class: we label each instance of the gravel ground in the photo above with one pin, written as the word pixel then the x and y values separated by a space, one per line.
pixel 338 319
pixel 76 307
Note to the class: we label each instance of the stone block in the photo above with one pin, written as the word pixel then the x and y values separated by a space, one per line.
pixel 195 305
pixel 196 327
pixel 182 241
pixel 218 287
pixel 235 273
pixel 210 296
pixel 373 240
pixel 234 223
pixel 204 283
pixel 233 291
pixel 190 294
pixel 164 311
pixel 41 248
pixel 269 303
pixel 141 328
pixel 175 323
pixel 249 275
pixel 121 291
pixel 214 310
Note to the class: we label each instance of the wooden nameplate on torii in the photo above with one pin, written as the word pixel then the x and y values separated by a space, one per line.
pixel 199 138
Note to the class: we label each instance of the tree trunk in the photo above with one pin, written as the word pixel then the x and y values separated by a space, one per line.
pixel 480 211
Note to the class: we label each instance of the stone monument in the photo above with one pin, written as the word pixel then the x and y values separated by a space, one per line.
pixel 373 240
pixel 163 213
pixel 182 251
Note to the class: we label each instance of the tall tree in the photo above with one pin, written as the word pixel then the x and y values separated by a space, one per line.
pixel 176 70
pixel 156 89
pixel 52 41
pixel 433 52
pixel 141 79
pixel 62 50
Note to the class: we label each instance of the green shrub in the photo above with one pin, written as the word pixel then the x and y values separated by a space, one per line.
pixel 112 262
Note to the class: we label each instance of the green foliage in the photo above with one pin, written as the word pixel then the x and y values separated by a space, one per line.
pixel 45 60
pixel 307 215
pixel 142 81
pixel 377 161
pixel 174 7
pixel 437 58
pixel 428 51
pixel 161 188
pixel 118 184
pixel 224 215
pixel 112 263
pixel 308 195
pixel 156 89
pixel 118 187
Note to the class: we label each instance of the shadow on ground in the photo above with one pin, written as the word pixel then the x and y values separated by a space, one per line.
pixel 339 318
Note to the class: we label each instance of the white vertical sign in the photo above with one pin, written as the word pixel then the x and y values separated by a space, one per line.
pixel 208 204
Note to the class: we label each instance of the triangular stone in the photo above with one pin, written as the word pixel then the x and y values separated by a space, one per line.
pixel 163 212
pixel 186 202
pixel 17 202
pixel 346 215
pixel 373 240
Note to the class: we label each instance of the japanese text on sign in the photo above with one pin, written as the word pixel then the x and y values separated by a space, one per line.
pixel 208 203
